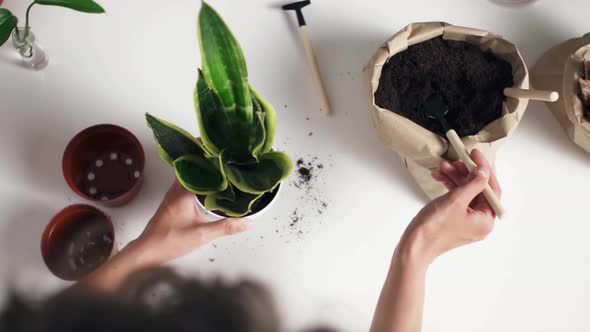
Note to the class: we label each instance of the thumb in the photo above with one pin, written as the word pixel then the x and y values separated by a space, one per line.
pixel 212 230
pixel 475 184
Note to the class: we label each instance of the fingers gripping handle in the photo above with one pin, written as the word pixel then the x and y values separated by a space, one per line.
pixel 488 192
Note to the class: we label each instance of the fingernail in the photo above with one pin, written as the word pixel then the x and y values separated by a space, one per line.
pixel 243 224
pixel 482 172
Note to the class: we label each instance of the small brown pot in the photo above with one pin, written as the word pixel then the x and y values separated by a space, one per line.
pixel 104 164
pixel 77 241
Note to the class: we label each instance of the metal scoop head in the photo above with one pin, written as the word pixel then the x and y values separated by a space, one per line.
pixel 436 108
pixel 296 6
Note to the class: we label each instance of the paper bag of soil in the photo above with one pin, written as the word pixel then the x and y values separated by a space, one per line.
pixel 560 69
pixel 421 149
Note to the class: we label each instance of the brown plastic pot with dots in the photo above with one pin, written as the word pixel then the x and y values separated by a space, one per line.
pixel 104 164
pixel 77 240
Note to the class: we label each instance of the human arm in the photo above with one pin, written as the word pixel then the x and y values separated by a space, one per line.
pixel 460 217
pixel 175 230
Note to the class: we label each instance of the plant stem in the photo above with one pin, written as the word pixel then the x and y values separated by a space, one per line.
pixel 27 28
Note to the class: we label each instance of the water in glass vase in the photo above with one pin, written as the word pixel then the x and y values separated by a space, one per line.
pixel 33 55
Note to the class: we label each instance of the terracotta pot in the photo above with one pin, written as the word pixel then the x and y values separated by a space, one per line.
pixel 104 164
pixel 76 241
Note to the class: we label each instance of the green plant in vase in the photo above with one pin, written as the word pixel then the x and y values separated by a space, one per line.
pixel 233 164
pixel 24 39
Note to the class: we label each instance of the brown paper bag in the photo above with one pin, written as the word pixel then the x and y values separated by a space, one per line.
pixel 559 69
pixel 421 149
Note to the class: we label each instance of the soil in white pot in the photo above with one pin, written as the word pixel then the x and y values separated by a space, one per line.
pixel 258 206
pixel 470 81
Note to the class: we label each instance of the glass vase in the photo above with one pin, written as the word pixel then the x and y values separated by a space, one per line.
pixel 33 55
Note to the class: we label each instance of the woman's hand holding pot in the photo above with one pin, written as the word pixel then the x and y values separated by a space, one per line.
pixel 175 230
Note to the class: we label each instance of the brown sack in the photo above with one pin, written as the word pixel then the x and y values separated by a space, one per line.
pixel 559 69
pixel 421 149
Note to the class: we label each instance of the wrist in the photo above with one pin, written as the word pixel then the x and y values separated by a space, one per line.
pixel 413 250
pixel 140 255
pixel 111 276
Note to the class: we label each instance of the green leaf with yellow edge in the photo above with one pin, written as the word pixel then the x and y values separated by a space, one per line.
pixel 173 142
pixel 214 124
pixel 224 65
pixel 85 6
pixel 8 23
pixel 240 206
pixel 272 168
pixel 224 131
pixel 229 194
pixel 258 132
pixel 270 119
pixel 199 175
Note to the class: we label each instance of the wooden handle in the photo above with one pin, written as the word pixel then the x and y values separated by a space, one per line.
pixel 488 192
pixel 542 95
pixel 313 63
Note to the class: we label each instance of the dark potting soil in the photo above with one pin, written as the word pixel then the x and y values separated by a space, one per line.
pixel 585 89
pixel 304 174
pixel 263 201
pixel 469 80
pixel 307 171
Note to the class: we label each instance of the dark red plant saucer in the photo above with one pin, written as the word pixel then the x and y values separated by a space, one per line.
pixel 104 164
pixel 77 241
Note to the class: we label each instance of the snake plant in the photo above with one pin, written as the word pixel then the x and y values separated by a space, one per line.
pixel 233 164
pixel 8 21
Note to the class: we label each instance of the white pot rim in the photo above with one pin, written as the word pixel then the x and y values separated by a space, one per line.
pixel 211 216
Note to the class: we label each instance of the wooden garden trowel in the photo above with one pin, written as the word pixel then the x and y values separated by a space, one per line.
pixel 437 109
pixel 309 52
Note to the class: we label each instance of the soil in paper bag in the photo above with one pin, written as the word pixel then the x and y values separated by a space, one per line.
pixel 469 80
pixel 585 89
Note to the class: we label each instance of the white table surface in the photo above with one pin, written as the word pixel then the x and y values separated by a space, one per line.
pixel 531 274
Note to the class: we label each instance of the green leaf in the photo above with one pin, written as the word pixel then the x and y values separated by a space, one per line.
pixel 224 66
pixel 85 6
pixel 172 141
pixel 214 124
pixel 7 24
pixel 270 118
pixel 272 168
pixel 198 175
pixel 224 131
pixel 259 132
pixel 239 207
pixel 229 194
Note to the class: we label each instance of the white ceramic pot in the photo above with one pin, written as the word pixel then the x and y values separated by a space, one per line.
pixel 210 216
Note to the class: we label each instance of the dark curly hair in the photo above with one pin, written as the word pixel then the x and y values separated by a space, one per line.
pixel 155 300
